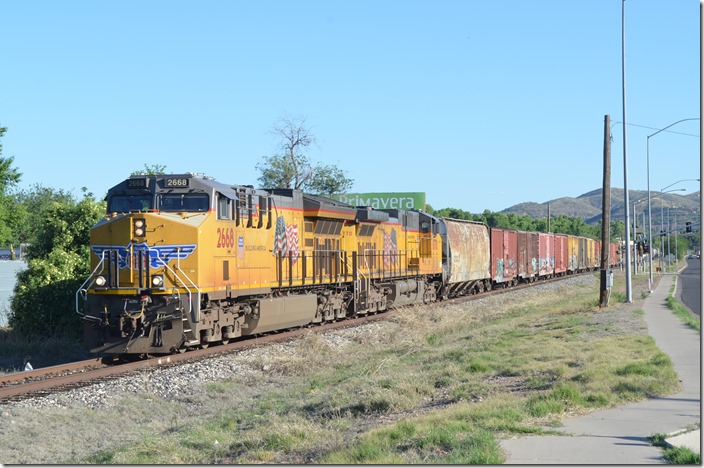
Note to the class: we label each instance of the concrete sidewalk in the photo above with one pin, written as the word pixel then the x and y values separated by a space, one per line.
pixel 619 436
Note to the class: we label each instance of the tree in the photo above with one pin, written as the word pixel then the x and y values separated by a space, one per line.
pixel 30 207
pixel 9 177
pixel 150 170
pixel 327 180
pixel 58 262
pixel 292 169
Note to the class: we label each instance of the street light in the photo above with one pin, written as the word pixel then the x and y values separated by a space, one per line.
pixel 650 240
pixel 629 294
pixel 635 234
pixel 650 224
pixel 662 219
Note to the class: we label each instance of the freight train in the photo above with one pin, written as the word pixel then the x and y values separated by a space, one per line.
pixel 182 261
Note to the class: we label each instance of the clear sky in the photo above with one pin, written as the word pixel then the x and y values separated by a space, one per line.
pixel 480 104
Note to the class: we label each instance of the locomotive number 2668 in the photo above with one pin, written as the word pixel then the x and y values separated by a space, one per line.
pixel 226 237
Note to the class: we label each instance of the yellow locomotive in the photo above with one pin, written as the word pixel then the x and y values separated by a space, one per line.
pixel 182 261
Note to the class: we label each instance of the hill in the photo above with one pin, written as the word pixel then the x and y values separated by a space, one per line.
pixel 681 208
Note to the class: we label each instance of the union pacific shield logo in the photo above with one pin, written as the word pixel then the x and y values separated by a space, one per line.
pixel 158 255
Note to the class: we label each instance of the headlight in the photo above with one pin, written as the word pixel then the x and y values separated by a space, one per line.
pixel 157 281
pixel 100 281
pixel 139 227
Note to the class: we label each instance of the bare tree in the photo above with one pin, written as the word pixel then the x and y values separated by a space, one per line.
pixel 292 169
pixel 295 137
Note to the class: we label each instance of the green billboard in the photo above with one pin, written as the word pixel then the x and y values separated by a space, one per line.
pixel 384 200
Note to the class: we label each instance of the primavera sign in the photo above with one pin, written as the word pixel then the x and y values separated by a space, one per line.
pixel 384 200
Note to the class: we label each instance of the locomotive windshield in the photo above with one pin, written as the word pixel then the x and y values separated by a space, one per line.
pixel 127 203
pixel 184 202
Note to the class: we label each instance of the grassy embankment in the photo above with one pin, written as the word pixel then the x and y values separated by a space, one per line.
pixel 439 385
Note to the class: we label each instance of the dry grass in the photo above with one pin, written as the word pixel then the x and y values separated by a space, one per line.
pixel 431 385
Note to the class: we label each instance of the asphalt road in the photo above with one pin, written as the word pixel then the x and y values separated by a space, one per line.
pixel 691 286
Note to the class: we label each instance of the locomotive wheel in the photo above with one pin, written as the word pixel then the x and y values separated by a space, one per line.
pixel 225 341
pixel 204 345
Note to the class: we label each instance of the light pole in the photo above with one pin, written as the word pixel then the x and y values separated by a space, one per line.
pixel 677 258
pixel 648 237
pixel 650 223
pixel 669 263
pixel 629 294
pixel 635 234
pixel 662 221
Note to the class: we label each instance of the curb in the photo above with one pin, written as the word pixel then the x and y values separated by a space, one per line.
pixel 686 439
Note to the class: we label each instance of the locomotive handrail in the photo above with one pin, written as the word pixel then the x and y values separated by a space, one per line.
pixel 173 272
pixel 364 278
pixel 343 258
pixel 392 253
pixel 81 289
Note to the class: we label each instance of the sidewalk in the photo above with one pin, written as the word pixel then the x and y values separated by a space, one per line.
pixel 619 436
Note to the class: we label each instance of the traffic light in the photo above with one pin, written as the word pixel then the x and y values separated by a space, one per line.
pixel 688 227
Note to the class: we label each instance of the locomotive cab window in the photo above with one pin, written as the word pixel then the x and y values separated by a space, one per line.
pixel 184 202
pixel 224 208
pixel 127 203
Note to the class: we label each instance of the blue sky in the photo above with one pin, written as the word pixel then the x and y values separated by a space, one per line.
pixel 480 104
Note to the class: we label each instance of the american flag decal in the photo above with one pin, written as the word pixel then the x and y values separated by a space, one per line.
pixel 286 239
pixel 390 249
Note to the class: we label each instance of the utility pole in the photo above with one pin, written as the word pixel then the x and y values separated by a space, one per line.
pixel 606 218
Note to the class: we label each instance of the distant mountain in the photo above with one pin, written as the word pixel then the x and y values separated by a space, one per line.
pixel 588 207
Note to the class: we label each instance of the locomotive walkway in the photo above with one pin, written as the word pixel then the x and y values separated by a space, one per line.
pixel 619 436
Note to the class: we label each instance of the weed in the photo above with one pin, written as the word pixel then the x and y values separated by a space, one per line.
pixel 684 315
pixel 675 455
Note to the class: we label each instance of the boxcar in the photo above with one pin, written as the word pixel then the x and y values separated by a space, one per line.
pixel 467 254
pixel 582 254
pixel 573 249
pixel 504 256
pixel 561 254
pixel 613 254
pixel 589 260
pixel 546 255
pixel 527 255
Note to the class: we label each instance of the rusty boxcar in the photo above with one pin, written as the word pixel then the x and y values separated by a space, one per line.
pixel 527 256
pixel 467 256
pixel 504 256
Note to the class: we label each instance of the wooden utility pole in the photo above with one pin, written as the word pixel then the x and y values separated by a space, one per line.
pixel 606 275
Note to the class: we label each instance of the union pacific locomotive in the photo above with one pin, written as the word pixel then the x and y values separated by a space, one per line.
pixel 182 261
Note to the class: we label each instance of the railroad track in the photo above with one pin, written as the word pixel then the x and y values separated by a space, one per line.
pixel 40 382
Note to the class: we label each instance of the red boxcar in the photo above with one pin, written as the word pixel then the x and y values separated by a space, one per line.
pixel 561 254
pixel 527 255
pixel 504 258
pixel 613 254
pixel 546 255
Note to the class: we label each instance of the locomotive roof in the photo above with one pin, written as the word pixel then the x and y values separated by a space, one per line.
pixel 156 182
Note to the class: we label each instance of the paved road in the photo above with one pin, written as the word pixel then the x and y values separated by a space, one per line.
pixel 690 286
